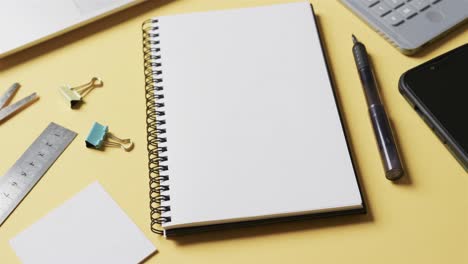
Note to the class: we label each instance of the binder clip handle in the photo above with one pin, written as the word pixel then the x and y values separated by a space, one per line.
pixel 84 89
pixel 113 141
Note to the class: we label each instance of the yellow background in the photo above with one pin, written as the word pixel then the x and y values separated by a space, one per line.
pixel 422 219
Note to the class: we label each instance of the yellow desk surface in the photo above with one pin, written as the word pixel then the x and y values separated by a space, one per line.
pixel 423 219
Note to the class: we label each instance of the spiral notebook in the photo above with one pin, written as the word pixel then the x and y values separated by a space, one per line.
pixel 243 125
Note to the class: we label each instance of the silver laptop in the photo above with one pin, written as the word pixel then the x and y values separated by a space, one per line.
pixel 410 24
pixel 24 23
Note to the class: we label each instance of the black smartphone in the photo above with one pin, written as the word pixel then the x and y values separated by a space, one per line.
pixel 438 91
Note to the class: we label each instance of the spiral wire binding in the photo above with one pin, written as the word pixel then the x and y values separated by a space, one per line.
pixel 155 127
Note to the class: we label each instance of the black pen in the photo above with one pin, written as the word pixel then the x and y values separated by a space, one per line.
pixel 383 132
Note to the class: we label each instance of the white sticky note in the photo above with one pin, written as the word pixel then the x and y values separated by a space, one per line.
pixel 88 228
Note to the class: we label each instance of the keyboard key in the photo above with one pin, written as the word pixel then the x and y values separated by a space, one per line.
pixel 394 19
pixel 407 11
pixel 381 9
pixel 421 4
pixel 395 3
pixel 369 3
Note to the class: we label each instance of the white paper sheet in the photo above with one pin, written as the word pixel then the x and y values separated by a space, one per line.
pixel 88 228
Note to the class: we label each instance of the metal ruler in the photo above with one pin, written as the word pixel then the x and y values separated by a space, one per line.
pixel 31 166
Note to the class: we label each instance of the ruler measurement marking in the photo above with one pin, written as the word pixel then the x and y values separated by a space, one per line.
pixel 31 166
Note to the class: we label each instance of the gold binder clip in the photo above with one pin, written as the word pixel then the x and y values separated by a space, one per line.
pixel 74 95
pixel 99 136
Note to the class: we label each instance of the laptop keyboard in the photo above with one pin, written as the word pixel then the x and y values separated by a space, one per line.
pixel 397 12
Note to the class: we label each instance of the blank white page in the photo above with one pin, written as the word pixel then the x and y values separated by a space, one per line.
pixel 24 22
pixel 89 228
pixel 253 129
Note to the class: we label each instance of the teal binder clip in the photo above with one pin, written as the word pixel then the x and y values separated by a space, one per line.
pixel 99 137
pixel 74 95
